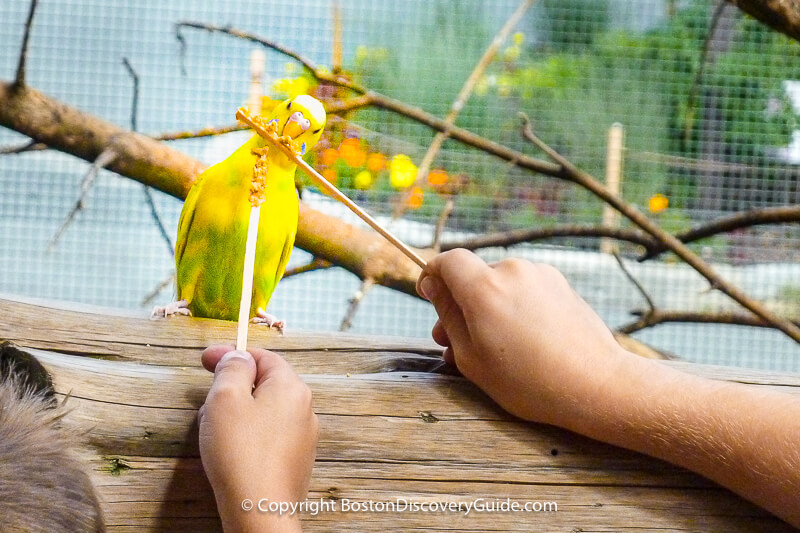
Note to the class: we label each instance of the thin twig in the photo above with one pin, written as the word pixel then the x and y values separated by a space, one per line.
pixel 632 279
pixel 692 98
pixel 754 217
pixel 148 194
pixel 461 101
pixel 659 316
pixel 19 79
pixel 585 180
pixel 105 157
pixel 370 98
pixel 332 107
pixel 513 237
pixel 449 205
pixel 151 203
pixel 312 68
pixel 27 146
pixel 203 132
pixel 355 301
pixel 135 96
pixel 314 264
pixel 157 290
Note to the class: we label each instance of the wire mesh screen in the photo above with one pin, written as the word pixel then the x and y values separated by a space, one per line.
pixel 704 97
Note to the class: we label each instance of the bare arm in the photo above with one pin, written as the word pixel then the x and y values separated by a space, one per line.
pixel 522 334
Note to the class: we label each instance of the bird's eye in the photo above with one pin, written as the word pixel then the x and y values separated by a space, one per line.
pixel 289 105
pixel 316 131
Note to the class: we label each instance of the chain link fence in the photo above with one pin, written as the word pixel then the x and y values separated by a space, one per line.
pixel 705 97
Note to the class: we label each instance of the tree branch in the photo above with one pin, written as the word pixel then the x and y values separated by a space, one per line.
pixel 754 217
pixel 510 238
pixel 67 129
pixel 657 316
pixel 19 80
pixel 106 156
pixel 461 100
pixel 585 180
pixel 780 15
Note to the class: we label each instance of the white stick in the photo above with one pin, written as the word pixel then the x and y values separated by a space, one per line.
pixel 247 278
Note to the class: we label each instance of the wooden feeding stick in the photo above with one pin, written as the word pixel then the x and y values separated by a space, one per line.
pixel 244 116
pixel 257 197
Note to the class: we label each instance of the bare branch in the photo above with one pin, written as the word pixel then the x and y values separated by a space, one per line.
pixel 105 157
pixel 203 132
pixel 585 180
pixel 372 98
pixel 779 15
pixel 19 80
pixel 314 264
pixel 355 301
pixel 449 205
pixel 150 296
pixel 148 194
pixel 312 68
pixel 656 317
pixel 135 96
pixel 510 238
pixel 27 146
pixel 754 217
pixel 695 87
pixel 461 100
pixel 632 279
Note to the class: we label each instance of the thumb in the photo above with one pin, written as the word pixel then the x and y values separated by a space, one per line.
pixel 235 373
pixel 451 317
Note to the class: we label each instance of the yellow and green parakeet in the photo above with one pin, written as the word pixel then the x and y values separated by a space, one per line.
pixel 209 253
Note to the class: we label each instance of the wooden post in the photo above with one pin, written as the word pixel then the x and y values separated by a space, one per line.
pixel 258 60
pixel 613 182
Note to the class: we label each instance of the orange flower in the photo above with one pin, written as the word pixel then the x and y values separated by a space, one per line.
pixel 415 198
pixel 437 178
pixel 351 152
pixel 330 175
pixel 329 157
pixel 658 203
pixel 376 162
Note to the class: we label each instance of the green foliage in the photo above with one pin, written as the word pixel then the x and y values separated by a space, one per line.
pixel 574 75
pixel 572 25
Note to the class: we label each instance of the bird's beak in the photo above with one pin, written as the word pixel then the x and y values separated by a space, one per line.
pixel 292 129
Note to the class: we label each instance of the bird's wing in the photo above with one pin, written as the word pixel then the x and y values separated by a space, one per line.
pixel 187 217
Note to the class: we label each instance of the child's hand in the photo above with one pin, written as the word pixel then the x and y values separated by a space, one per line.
pixel 521 333
pixel 256 442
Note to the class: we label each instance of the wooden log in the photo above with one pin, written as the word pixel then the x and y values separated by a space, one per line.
pixel 393 432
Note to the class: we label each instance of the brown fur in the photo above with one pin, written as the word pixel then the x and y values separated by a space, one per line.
pixel 44 486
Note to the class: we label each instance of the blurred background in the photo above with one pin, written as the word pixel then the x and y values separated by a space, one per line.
pixel 709 128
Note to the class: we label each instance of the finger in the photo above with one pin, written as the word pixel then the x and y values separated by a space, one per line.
pixel 451 325
pixel 461 271
pixel 449 357
pixel 213 354
pixel 270 368
pixel 439 334
pixel 234 373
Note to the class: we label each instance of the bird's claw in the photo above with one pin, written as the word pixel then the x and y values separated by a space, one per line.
pixel 262 317
pixel 181 307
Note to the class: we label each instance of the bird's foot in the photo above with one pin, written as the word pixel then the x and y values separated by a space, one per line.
pixel 181 307
pixel 262 317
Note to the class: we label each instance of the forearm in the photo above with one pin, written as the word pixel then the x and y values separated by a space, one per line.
pixel 742 437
